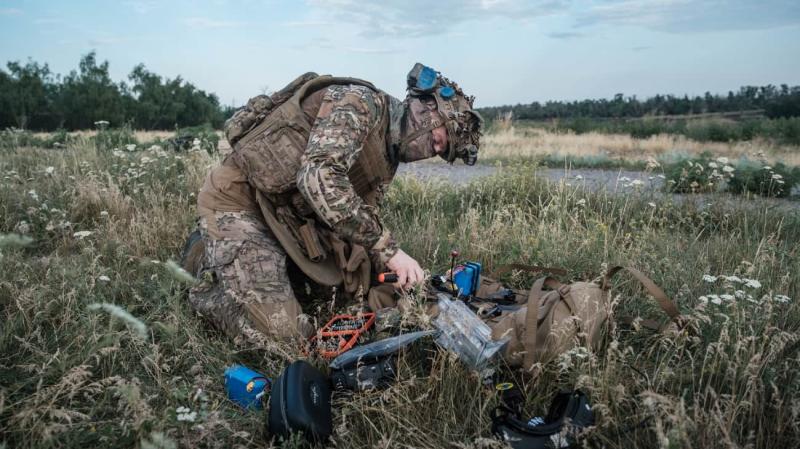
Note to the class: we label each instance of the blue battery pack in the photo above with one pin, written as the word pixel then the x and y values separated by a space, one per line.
pixel 467 278
pixel 245 386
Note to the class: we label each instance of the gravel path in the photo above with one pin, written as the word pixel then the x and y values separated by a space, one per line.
pixel 621 181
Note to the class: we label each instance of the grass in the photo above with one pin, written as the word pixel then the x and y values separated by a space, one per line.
pixel 77 372
pixel 600 150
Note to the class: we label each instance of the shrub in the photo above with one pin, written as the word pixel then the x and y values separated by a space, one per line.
pixel 109 139
pixel 202 137
pixel 698 175
pixel 11 138
pixel 765 180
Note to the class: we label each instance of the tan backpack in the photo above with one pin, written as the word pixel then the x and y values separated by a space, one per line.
pixel 564 316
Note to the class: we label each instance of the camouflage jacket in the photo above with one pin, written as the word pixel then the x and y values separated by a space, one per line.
pixel 346 115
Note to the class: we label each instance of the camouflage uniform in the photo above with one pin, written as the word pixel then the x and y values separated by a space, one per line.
pixel 245 285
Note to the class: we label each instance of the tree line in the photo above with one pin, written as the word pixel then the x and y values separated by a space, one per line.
pixel 776 102
pixel 32 97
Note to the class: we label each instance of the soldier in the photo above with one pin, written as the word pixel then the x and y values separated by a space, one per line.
pixel 309 167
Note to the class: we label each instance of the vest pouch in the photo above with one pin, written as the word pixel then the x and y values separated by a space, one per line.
pixel 310 240
pixel 272 158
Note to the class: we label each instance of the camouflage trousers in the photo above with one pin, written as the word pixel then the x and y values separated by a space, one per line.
pixel 245 289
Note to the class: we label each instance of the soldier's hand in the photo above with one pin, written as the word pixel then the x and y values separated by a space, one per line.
pixel 408 270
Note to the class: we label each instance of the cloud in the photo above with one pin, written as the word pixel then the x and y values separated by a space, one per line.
pixel 306 23
pixel 48 21
pixel 206 23
pixel 11 12
pixel 565 35
pixel 371 51
pixel 676 16
pixel 417 18
pixel 141 6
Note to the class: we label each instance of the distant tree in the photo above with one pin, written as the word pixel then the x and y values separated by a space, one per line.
pixel 89 95
pixel 25 95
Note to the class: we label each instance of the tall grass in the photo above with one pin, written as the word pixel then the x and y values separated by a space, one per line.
pixel 71 376
pixel 597 149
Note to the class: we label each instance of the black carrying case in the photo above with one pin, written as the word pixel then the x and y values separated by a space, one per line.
pixel 569 414
pixel 300 401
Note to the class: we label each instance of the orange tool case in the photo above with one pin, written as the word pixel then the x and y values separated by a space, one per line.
pixel 341 333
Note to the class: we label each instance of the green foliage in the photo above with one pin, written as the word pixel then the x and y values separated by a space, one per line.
pixel 782 130
pixel 31 97
pixel 203 137
pixel 704 174
pixel 776 102
pixel 777 180
pixel 690 176
pixel 111 138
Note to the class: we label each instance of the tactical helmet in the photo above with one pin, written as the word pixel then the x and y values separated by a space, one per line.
pixel 447 105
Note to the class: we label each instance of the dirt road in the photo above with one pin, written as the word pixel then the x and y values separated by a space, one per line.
pixel 619 181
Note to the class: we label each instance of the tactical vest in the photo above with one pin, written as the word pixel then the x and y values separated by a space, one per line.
pixel 271 152
pixel 269 155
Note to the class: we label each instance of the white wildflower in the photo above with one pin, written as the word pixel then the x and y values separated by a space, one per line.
pixel 709 278
pixel 651 204
pixel 185 414
pixel 82 234
pixel 752 283
pixel 726 297
pixel 130 146
pixel 715 299
pixel 767 167
pixel 578 177
pixel 22 227
pixel 739 294
pixel 722 160
pixel 104 278
pixel 637 183
pixel 49 170
pixel 776 176
pixel 104 213
pixel 101 123
pixel 33 194
pixel 713 165
pixel 662 176
pixel 728 169
pixel 703 299
pixel 783 299
pixel 581 202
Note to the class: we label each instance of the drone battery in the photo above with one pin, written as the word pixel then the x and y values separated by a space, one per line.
pixel 467 278
pixel 245 386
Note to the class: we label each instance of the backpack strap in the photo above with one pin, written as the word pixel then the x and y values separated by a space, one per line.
pixel 532 316
pixel 654 290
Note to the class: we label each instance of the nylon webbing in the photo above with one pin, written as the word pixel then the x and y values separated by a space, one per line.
pixel 654 290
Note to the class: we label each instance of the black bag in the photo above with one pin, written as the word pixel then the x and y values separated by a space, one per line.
pixel 569 413
pixel 300 401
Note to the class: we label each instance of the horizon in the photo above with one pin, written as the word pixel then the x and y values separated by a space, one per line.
pixel 527 51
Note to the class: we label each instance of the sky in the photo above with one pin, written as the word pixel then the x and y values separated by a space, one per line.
pixel 500 51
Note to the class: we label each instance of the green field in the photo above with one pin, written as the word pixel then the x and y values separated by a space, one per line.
pixel 103 222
